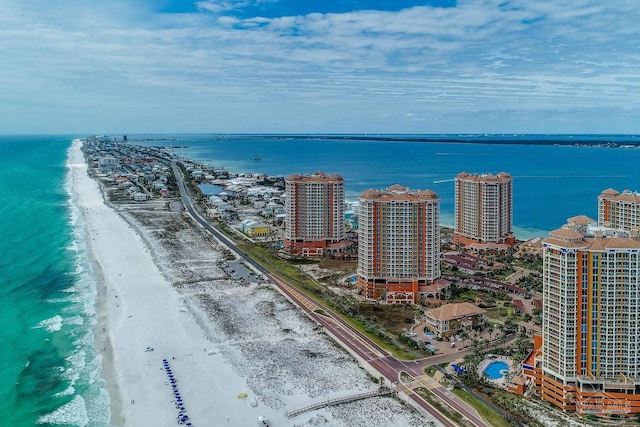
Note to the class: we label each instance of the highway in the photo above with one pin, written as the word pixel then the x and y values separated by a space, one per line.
pixel 346 335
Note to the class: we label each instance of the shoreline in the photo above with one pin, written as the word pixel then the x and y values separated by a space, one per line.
pixel 164 286
pixel 101 329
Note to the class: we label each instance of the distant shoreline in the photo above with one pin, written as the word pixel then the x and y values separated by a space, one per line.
pixel 607 141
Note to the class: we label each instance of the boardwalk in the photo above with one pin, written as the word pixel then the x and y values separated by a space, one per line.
pixel 382 391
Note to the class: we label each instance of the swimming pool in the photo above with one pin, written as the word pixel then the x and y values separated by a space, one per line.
pixel 496 370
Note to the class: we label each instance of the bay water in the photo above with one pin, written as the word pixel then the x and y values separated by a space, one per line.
pixel 553 179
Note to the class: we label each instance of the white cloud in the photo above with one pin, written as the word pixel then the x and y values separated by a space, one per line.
pixel 332 71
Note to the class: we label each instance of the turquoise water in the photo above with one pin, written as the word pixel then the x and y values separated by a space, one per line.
pixel 550 182
pixel 48 366
pixel 496 370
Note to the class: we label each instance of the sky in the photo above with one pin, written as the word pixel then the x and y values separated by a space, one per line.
pixel 319 66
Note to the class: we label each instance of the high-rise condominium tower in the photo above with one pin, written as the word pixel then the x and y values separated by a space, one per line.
pixel 483 208
pixel 315 212
pixel 590 356
pixel 620 210
pixel 398 243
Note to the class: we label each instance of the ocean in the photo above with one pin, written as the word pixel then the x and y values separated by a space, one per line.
pixel 552 181
pixel 49 367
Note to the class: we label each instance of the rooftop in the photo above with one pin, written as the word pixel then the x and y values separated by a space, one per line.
pixel 315 177
pixel 454 311
pixel 399 193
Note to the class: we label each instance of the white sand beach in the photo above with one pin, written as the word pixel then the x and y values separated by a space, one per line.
pixel 169 291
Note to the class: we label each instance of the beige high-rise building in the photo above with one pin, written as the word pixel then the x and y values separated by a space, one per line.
pixel 620 210
pixel 398 243
pixel 483 209
pixel 589 360
pixel 314 206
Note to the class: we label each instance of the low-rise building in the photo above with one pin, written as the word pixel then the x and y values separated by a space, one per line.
pixel 254 228
pixel 451 319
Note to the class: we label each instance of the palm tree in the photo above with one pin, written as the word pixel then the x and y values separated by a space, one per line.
pixel 490 329
pixel 464 335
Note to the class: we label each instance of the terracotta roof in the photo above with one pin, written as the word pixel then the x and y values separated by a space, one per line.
pixel 566 233
pixel 399 193
pixel 535 242
pixel 398 187
pixel 429 194
pixel 455 311
pixel 565 243
pixel 626 195
pixel 614 243
pixel 609 192
pixel 315 177
pixel 501 177
pixel 581 219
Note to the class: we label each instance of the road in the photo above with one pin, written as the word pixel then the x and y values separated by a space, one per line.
pixel 346 335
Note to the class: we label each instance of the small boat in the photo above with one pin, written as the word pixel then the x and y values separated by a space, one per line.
pixel 257 158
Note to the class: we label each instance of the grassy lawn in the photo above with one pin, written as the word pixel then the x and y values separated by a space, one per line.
pixel 468 295
pixel 494 313
pixel 490 416
pixel 430 370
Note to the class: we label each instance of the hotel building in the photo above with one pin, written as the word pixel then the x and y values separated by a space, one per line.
pixel 483 209
pixel 620 210
pixel 314 206
pixel 589 358
pixel 399 243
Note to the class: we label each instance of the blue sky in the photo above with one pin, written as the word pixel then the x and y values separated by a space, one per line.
pixel 333 66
